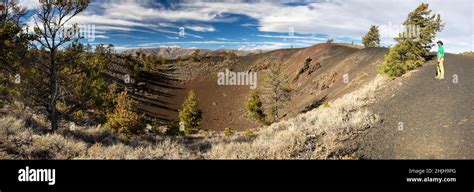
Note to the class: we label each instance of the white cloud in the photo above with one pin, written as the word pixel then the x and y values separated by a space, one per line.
pixel 293 37
pixel 343 19
pixel 171 46
pixel 29 4
pixel 268 46
pixel 222 39
pixel 249 45
pixel 101 37
pixel 248 25
pixel 349 18
pixel 129 15
pixel 200 28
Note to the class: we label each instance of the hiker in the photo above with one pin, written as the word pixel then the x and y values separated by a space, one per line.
pixel 440 56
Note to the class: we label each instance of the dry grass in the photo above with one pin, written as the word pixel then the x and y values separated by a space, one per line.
pixel 166 149
pixel 318 134
pixel 467 53
pixel 18 141
pixel 360 78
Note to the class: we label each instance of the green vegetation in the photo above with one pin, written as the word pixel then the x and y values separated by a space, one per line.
pixel 50 24
pixel 276 91
pixel 274 97
pixel 285 140
pixel 229 54
pixel 254 106
pixel 85 88
pixel 151 62
pixel 173 128
pixel 204 133
pixel 249 133
pixel 402 58
pixel 326 104
pixel 372 38
pixel 414 44
pixel 13 47
pixel 228 132
pixel 60 78
pixel 123 120
pixel 195 56
pixel 190 115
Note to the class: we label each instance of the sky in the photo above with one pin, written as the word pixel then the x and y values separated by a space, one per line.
pixel 261 25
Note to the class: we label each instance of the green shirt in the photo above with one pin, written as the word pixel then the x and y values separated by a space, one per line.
pixel 440 51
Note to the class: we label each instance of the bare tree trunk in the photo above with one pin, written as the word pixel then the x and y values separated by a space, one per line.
pixel 50 19
pixel 53 118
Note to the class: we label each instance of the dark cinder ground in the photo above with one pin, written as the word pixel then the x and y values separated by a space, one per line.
pixel 425 118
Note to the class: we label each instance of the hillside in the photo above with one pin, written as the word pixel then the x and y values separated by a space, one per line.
pixel 425 118
pixel 360 121
pixel 173 52
pixel 223 106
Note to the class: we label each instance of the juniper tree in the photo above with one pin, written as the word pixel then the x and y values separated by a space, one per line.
pixel 254 106
pixel 372 38
pixel 402 58
pixel 414 44
pixel 195 57
pixel 123 119
pixel 421 26
pixel 190 115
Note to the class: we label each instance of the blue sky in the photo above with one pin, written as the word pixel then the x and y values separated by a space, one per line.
pixel 266 25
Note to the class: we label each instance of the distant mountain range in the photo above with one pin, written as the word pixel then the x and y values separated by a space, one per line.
pixel 175 52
